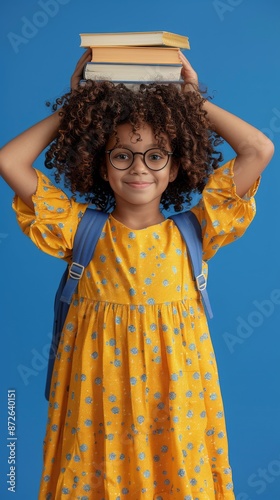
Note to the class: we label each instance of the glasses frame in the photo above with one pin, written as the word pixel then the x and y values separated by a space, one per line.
pixel 109 151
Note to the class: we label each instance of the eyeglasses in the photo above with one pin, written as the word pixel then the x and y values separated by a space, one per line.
pixel 154 158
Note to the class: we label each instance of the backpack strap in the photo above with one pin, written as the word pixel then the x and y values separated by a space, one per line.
pixel 190 229
pixel 86 237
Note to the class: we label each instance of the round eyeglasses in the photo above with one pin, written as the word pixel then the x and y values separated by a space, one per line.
pixel 154 158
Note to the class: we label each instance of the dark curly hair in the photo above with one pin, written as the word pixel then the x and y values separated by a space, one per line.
pixel 91 114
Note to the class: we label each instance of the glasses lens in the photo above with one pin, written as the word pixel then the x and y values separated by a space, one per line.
pixel 121 158
pixel 156 159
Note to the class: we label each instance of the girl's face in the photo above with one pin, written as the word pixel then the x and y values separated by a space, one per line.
pixel 138 185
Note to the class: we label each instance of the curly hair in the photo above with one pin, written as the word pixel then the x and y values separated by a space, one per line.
pixel 91 114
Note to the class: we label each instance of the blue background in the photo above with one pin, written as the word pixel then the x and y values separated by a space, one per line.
pixel 235 47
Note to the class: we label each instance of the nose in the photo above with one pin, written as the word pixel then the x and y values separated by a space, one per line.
pixel 138 163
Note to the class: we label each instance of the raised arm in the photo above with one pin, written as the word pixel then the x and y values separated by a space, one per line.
pixel 18 155
pixel 253 149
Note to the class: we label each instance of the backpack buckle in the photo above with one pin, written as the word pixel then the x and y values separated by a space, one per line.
pixel 201 282
pixel 76 271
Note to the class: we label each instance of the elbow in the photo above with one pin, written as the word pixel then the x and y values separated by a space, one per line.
pixel 265 155
pixel 1 160
pixel 261 152
pixel 4 162
pixel 265 151
pixel 271 150
pixel 8 162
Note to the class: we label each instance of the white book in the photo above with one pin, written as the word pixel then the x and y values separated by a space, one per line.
pixel 137 38
pixel 132 72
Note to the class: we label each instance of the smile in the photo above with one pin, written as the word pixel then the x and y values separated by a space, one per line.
pixel 139 185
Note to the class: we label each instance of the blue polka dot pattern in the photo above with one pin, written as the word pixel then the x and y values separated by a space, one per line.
pixel 135 408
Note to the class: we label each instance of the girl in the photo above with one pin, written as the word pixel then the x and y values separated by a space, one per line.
pixel 135 406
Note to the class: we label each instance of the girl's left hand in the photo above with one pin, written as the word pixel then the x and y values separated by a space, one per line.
pixel 188 74
pixel 78 72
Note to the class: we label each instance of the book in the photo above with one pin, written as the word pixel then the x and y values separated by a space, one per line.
pixel 130 54
pixel 132 72
pixel 137 38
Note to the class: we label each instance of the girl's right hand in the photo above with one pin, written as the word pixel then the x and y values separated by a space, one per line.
pixel 78 72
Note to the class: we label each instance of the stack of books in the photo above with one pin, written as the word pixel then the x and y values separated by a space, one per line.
pixel 133 58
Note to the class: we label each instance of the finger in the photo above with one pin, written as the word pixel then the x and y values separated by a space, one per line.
pixel 85 57
pixel 82 61
pixel 185 61
pixel 86 54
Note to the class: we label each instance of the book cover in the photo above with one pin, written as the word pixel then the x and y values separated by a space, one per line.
pixel 137 38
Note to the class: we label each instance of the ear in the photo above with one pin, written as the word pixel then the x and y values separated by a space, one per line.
pixel 104 174
pixel 173 172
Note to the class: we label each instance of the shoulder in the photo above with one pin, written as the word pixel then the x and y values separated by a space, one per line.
pixel 221 184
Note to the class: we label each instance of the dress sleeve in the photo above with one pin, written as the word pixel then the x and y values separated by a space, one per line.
pixel 53 222
pixel 223 215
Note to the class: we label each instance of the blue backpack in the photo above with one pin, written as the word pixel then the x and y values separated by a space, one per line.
pixel 87 235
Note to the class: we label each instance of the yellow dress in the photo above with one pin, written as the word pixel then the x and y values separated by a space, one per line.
pixel 135 408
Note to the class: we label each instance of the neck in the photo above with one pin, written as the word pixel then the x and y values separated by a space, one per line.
pixel 138 217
